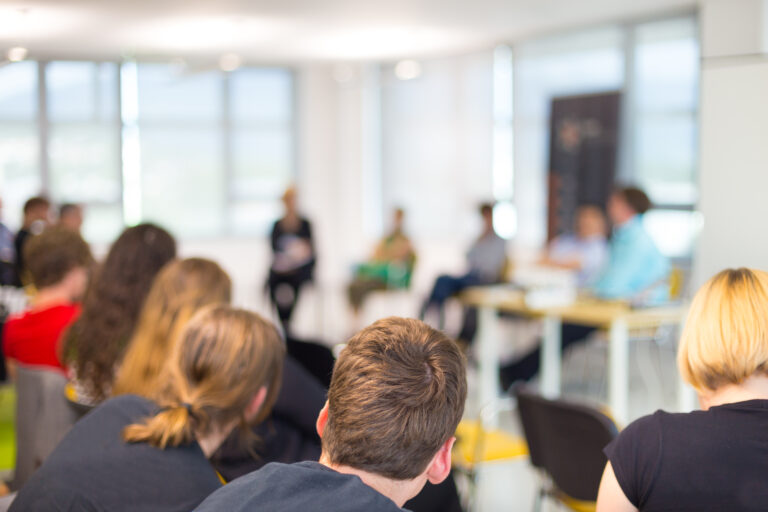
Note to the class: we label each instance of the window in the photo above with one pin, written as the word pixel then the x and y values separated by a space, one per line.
pixel 19 138
pixel 203 153
pixel 84 142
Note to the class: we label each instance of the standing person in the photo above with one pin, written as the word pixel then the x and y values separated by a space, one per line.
pixel 94 345
pixel 71 216
pixel 293 259
pixel 396 397
pixel 37 213
pixel 390 266
pixel 8 275
pixel 486 260
pixel 636 271
pixel 715 458
pixel 133 453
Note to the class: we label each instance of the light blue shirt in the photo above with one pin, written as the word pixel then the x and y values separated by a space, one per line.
pixel 636 268
pixel 591 253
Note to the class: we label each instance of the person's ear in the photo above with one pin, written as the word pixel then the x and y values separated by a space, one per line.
pixel 440 467
pixel 256 402
pixel 322 419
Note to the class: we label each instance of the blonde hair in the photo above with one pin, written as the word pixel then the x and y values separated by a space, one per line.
pixel 725 339
pixel 223 358
pixel 181 288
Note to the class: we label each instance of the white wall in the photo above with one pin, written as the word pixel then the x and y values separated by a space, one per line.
pixel 733 179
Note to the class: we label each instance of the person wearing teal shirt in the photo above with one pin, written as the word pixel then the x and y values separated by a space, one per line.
pixel 636 271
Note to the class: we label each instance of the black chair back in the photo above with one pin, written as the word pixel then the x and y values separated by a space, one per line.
pixel 566 441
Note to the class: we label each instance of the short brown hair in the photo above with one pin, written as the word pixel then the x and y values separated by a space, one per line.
pixel 52 254
pixel 397 394
pixel 36 202
pixel 636 199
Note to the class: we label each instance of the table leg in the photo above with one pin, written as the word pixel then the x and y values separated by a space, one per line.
pixel 551 357
pixel 488 360
pixel 619 371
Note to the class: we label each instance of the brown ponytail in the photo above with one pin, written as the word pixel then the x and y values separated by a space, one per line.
pixel 222 359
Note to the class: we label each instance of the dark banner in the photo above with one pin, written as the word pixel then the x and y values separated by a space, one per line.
pixel 584 138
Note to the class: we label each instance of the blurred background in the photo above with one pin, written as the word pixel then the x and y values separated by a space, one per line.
pixel 197 115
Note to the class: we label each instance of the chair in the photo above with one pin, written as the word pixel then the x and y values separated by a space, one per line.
pixel 566 442
pixel 43 418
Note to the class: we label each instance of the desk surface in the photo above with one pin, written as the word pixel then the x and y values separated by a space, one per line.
pixel 591 312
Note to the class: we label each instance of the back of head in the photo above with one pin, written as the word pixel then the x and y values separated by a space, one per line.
pixel 37 203
pixel 96 341
pixel 52 254
pixel 223 357
pixel 635 198
pixel 725 340
pixel 181 289
pixel 397 394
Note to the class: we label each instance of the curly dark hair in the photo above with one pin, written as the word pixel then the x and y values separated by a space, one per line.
pixel 96 341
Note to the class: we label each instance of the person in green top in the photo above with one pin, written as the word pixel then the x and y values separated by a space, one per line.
pixel 390 266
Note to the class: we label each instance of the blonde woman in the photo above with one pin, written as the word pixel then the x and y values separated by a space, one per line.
pixel 131 453
pixel 180 289
pixel 716 458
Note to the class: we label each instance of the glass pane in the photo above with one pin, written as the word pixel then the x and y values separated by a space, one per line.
pixel 674 231
pixel 666 153
pixel 19 171
pixel 181 181
pixel 667 65
pixel 84 162
pixel 18 91
pixel 261 95
pixel 262 162
pixel 168 94
pixel 254 217
pixel 81 91
pixel 102 223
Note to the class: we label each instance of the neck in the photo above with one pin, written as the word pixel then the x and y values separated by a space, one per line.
pixel 753 388
pixel 51 296
pixel 210 442
pixel 398 491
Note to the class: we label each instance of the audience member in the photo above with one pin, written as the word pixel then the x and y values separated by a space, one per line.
pixel 71 216
pixel 584 251
pixel 131 453
pixel 396 397
pixel 8 275
pixel 58 262
pixel 486 258
pixel 636 271
pixel 716 458
pixel 94 344
pixel 293 261
pixel 390 266
pixel 37 213
pixel 180 289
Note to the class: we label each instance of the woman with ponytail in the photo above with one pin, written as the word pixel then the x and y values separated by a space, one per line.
pixel 133 453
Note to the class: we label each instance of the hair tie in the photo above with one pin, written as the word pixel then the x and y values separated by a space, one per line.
pixel 187 406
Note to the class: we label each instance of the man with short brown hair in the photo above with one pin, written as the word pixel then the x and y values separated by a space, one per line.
pixel 396 397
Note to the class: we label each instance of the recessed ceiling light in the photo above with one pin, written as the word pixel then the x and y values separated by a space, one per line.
pixel 230 61
pixel 17 54
pixel 407 70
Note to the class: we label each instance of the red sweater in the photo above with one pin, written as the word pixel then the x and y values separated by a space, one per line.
pixel 32 337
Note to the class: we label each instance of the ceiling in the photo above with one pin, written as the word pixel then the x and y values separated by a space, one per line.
pixel 296 30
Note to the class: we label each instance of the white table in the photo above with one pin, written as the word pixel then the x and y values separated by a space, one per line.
pixel 615 317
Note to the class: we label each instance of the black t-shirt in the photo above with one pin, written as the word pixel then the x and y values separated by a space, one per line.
pixel 300 487
pixel 703 460
pixel 93 469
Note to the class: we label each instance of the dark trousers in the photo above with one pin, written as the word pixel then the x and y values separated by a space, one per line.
pixel 286 302
pixel 526 367
pixel 445 287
